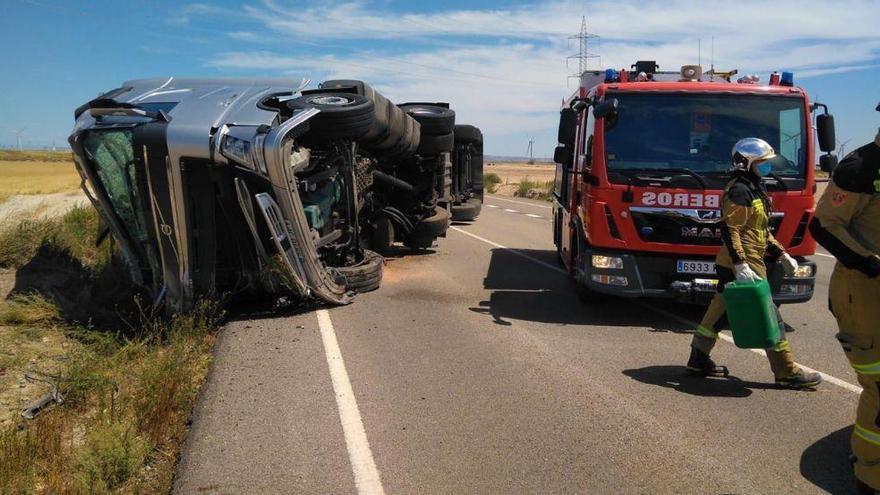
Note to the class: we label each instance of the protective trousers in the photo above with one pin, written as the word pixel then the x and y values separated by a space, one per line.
pixel 855 302
pixel 706 334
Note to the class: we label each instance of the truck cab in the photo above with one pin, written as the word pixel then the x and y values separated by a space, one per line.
pixel 641 169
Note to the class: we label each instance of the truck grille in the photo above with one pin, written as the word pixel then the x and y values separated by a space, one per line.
pixel 682 226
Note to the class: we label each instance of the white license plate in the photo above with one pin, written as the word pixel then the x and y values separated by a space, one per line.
pixel 695 266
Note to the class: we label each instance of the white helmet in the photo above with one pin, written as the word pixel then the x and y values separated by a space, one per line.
pixel 746 152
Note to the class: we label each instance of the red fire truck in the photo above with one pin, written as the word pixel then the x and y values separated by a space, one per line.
pixel 643 159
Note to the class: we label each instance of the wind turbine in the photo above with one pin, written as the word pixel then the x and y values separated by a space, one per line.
pixel 18 134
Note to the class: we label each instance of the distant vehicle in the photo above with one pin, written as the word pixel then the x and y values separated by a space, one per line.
pixel 263 186
pixel 642 162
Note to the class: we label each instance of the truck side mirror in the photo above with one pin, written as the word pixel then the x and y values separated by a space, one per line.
pixel 562 155
pixel 827 163
pixel 825 132
pixel 567 127
pixel 606 108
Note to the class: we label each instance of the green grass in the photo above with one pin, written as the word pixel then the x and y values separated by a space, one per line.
pixel 128 386
pixel 491 182
pixel 535 189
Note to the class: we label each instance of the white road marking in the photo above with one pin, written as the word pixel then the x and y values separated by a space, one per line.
pixel 520 202
pixel 825 255
pixel 366 475
pixel 825 376
pixel 533 215
pixel 508 210
pixel 491 206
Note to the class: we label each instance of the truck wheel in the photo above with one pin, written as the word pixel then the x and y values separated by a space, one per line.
pixel 343 115
pixel 396 130
pixel 467 211
pixel 383 235
pixel 468 134
pixel 434 145
pixel 435 120
pixel 364 276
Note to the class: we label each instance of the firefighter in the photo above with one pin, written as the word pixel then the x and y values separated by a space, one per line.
pixel 847 223
pixel 747 241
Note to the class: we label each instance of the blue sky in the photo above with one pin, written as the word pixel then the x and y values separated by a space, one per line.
pixel 501 64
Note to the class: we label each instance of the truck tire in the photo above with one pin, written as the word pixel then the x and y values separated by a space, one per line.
pixel 467 211
pixel 364 276
pixel 468 134
pixel 436 121
pixel 434 145
pixel 427 230
pixel 477 172
pixel 380 129
pixel 343 115
pixel 396 130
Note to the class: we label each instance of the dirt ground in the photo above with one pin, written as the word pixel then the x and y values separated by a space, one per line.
pixel 512 173
pixel 34 206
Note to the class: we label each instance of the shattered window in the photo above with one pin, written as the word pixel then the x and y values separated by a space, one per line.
pixel 112 155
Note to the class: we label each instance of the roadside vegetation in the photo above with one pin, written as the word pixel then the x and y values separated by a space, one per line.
pixel 36 172
pixel 491 182
pixel 69 322
pixel 528 188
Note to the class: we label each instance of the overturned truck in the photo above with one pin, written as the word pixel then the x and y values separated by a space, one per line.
pixel 263 187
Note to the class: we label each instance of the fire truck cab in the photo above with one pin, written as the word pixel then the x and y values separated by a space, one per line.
pixel 643 160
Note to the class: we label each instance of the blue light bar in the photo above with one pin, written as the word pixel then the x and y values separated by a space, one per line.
pixel 787 79
pixel 610 75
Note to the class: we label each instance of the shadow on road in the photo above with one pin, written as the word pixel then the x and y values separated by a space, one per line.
pixel 677 378
pixel 826 463
pixel 523 290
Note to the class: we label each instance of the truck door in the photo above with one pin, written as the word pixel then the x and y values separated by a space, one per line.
pixel 564 183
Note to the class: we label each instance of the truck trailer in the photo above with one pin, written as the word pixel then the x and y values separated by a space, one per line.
pixel 641 165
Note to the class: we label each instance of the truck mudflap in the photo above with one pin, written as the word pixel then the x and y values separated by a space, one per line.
pixel 646 275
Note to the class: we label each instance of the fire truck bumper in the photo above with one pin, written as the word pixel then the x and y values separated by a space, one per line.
pixel 648 275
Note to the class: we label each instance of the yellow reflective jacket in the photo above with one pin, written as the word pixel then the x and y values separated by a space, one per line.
pixel 745 227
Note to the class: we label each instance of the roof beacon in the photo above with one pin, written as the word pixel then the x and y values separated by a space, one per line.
pixel 787 79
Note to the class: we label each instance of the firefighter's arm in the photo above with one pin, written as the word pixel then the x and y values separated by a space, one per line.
pixel 774 248
pixel 844 199
pixel 735 216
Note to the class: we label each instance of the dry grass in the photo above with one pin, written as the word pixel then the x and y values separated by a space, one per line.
pixel 36 156
pixel 37 177
pixel 128 388
pixel 528 188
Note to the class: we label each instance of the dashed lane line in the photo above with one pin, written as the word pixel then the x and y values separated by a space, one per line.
pixel 508 210
pixel 520 202
pixel 533 215
pixel 825 376
pixel 366 475
pixel 491 206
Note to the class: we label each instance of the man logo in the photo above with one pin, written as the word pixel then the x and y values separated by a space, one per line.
pixel 701 233
pixel 707 215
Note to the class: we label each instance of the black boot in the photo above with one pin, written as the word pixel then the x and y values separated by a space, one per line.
pixel 701 364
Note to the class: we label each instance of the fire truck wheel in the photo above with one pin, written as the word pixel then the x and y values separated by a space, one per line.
pixel 364 276
pixel 436 121
pixel 343 115
pixel 434 145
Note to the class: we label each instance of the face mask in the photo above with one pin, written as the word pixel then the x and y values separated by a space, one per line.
pixel 764 168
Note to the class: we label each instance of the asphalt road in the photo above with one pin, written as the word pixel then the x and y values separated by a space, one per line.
pixel 476 369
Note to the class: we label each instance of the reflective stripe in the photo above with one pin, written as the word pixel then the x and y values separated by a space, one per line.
pixel 866 434
pixel 867 369
pixel 705 332
pixel 781 346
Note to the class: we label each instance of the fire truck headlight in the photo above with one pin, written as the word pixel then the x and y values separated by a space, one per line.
pixel 610 280
pixel 803 271
pixel 607 262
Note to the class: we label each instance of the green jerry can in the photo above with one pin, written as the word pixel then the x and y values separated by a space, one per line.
pixel 752 314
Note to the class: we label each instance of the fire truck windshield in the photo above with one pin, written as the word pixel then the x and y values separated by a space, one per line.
pixel 696 131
